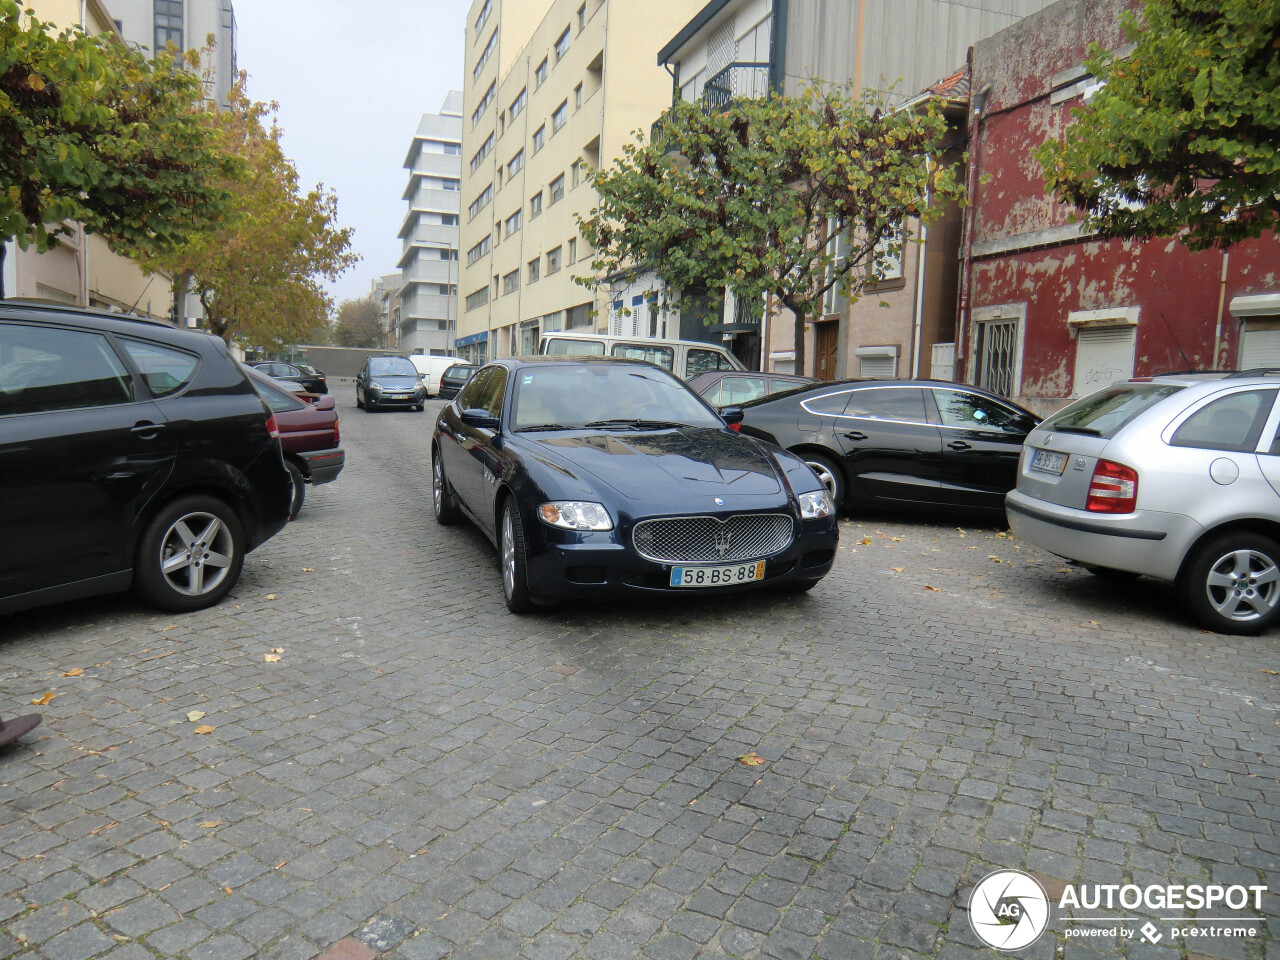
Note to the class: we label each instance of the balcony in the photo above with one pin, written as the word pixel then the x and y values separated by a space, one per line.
pixel 748 81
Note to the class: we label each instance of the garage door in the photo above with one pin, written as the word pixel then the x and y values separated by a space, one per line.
pixel 1104 355
pixel 1259 348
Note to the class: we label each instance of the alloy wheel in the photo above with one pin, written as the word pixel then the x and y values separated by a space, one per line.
pixel 1243 585
pixel 824 475
pixel 437 485
pixel 508 555
pixel 196 553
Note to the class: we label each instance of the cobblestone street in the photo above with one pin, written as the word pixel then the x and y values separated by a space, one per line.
pixel 430 776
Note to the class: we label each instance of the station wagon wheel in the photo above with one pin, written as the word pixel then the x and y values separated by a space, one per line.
pixel 511 557
pixel 297 491
pixel 443 503
pixel 828 473
pixel 191 554
pixel 1231 584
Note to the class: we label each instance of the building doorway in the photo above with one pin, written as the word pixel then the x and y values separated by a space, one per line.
pixel 826 343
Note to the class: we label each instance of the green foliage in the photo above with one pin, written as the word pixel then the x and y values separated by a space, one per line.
pixel 1182 139
pixel 742 197
pixel 358 324
pixel 90 130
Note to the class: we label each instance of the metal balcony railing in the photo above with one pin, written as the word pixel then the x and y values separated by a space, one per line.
pixel 748 81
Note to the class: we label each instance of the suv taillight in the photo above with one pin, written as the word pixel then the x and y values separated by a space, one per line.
pixel 272 428
pixel 1113 489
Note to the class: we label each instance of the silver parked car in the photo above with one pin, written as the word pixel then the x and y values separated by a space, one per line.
pixel 1175 477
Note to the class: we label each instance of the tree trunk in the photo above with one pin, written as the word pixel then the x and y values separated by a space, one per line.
pixel 799 340
pixel 4 249
pixel 181 283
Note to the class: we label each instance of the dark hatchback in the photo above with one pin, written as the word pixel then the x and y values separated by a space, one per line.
pixel 731 388
pixel 389 382
pixel 309 378
pixel 899 442
pixel 454 379
pixel 610 477
pixel 131 453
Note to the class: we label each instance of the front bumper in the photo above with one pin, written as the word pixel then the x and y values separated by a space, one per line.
pixel 396 400
pixel 323 465
pixel 598 566
pixel 1146 541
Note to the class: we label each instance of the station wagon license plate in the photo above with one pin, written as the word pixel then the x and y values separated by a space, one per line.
pixel 717 576
pixel 1047 461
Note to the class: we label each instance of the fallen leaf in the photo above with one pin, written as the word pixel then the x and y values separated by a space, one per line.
pixel 896 539
pixel 73 673
pixel 898 569
pixel 865 541
pixel 195 715
pixel 210 824
pixel 44 701
pixel 751 760
pixel 271 596
pixel 171 626
pixel 308 569
pixel 271 657
pixel 1274 673
pixel 1064 569
pixel 1095 623
pixel 934 589
pixel 281 864
pixel 205 729
pixel 277 649
pixel 228 889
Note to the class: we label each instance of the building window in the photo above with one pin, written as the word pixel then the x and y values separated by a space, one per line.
pixel 479 298
pixel 562 45
pixel 168 24
pixel 444 289
pixel 481 201
pixel 479 250
pixel 535 270
pixel 535 205
pixel 577 97
pixel 483 17
pixel 582 18
pixel 997 354
pixel 449 184
pixel 539 138
pixel 553 261
pixel 482 153
pixel 517 105
pixel 515 164
pixel 453 149
pixel 557 189
pixel 540 74
pixel 484 57
pixel 888 255
pixel 514 222
pixel 448 253
pixel 575 173
pixel 559 118
pixel 511 282
pixel 484 103
pixel 573 250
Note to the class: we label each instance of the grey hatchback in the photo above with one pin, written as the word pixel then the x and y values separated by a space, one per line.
pixel 1176 477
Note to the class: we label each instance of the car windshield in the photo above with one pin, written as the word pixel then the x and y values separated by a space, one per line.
pixel 570 396
pixel 1102 414
pixel 392 367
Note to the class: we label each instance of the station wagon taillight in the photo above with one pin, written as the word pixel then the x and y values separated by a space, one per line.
pixel 1113 489
pixel 272 428
pixel 337 437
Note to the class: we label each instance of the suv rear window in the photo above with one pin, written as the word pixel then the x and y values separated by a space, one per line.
pixel 1102 414
pixel 558 347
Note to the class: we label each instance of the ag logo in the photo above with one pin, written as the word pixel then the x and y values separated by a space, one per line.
pixel 1008 910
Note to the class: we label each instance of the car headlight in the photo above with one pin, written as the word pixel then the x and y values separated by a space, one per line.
pixel 575 515
pixel 375 386
pixel 816 505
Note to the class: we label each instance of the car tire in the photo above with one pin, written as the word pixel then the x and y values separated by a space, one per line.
pixel 299 494
pixel 168 543
pixel 828 473
pixel 1112 575
pixel 443 503
pixel 1231 583
pixel 359 402
pixel 511 560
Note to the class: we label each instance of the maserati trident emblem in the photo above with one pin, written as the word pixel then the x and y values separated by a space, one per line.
pixel 719 502
pixel 722 542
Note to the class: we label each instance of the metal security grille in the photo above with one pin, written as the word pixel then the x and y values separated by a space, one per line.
pixel 709 540
pixel 997 352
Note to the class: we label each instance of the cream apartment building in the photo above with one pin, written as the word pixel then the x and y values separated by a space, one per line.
pixel 82 270
pixel 552 88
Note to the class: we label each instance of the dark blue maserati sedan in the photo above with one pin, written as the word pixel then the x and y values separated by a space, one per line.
pixel 606 477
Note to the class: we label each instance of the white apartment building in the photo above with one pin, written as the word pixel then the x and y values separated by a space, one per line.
pixel 428 301
pixel 154 24
pixel 552 88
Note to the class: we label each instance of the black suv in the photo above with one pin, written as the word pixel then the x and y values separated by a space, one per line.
pixel 131 453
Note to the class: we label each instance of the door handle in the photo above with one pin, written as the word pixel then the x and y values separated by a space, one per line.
pixel 147 431
pixel 958 445
pixel 855 435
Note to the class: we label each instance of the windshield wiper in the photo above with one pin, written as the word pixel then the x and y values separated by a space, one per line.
pixel 1088 431
pixel 546 426
pixel 628 422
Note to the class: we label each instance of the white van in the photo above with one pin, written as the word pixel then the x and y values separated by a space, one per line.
pixel 684 358
pixel 431 369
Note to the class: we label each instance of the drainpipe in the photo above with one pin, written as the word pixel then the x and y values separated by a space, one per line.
pixel 1222 300
pixel 916 345
pixel 977 103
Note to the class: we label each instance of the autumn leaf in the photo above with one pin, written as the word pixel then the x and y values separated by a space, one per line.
pixel 865 541
pixel 172 626
pixel 898 569
pixel 271 657
pixel 751 760
pixel 195 715
pixel 210 824
pixel 45 700
pixel 277 649
pixel 271 596
pixel 205 729
pixel 308 569
pixel 934 589
pixel 1274 673
pixel 75 672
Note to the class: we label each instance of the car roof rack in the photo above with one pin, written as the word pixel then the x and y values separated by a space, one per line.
pixel 1189 373
pixel 23 303
pixel 1255 372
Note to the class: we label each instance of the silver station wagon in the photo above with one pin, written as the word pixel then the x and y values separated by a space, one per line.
pixel 1175 477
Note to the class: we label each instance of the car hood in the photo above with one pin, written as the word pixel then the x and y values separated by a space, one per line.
pixel 651 464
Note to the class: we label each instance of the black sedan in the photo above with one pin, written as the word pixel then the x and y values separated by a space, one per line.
pixel 309 378
pixel 454 379
pixel 731 388
pixel 899 442
pixel 605 477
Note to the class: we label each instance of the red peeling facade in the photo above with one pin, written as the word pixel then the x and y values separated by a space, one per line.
pixel 1055 313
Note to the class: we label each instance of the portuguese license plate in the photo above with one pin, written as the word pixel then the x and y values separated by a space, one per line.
pixel 1047 461
pixel 717 576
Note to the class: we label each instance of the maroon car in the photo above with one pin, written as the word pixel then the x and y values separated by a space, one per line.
pixel 309 435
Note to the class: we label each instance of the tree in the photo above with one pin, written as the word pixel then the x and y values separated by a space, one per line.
pixel 1181 140
pixel 359 324
pixel 258 274
pixel 92 131
pixel 747 197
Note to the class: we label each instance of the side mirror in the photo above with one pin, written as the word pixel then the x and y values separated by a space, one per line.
pixel 732 416
pixel 476 417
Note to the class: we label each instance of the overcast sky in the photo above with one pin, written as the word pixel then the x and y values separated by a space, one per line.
pixel 353 79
